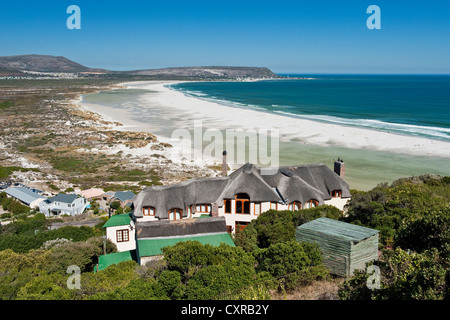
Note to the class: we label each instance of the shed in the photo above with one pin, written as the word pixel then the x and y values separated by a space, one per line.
pixel 344 246
pixel 26 196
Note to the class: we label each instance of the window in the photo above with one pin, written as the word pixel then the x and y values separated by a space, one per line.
pixel 274 205
pixel 311 204
pixel 206 208
pixel 295 206
pixel 336 193
pixel 241 225
pixel 227 204
pixel 257 208
pixel 122 236
pixel 242 203
pixel 148 211
pixel 175 214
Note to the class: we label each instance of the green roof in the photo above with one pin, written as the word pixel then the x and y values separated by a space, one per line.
pixel 115 258
pixel 153 247
pixel 118 220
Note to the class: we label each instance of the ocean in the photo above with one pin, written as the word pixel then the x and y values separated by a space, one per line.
pixel 409 105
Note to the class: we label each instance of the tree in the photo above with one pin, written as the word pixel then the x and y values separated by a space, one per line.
pixel 425 233
pixel 115 205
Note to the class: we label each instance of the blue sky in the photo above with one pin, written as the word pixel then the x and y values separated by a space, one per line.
pixel 286 36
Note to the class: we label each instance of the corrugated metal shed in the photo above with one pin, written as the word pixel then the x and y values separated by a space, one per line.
pixel 344 246
pixel 24 195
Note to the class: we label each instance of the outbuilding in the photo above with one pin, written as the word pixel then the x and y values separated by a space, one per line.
pixel 345 247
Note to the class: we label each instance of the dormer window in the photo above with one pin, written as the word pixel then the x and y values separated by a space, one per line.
pixel 336 193
pixel 242 203
pixel 204 208
pixel 311 204
pixel 175 214
pixel 295 206
pixel 148 211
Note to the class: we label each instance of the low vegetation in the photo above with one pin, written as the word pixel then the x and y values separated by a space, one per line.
pixel 413 216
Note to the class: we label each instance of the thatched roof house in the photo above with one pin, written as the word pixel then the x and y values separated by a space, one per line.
pixel 294 183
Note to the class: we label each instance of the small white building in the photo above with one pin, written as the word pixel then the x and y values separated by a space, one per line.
pixel 63 204
pixel 120 230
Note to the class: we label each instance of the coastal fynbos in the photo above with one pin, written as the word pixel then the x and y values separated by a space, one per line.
pixel 250 145
pixel 74 20
pixel 374 21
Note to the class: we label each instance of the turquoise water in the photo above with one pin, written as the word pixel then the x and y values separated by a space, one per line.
pixel 410 105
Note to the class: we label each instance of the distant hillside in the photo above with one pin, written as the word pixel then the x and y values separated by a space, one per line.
pixel 42 63
pixel 208 72
pixel 19 65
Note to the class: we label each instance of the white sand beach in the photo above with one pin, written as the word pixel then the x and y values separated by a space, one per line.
pixel 173 104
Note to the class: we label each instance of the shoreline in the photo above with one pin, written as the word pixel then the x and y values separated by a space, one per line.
pixel 216 115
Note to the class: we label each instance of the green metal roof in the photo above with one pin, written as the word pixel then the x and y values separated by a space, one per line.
pixel 115 258
pixel 339 229
pixel 118 220
pixel 153 247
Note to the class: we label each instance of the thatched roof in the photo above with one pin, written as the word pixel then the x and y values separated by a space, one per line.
pixel 192 192
pixel 293 183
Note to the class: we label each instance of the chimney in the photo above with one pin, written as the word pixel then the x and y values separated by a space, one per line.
pixel 215 210
pixel 339 168
pixel 224 164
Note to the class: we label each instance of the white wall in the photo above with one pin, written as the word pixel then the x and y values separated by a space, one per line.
pixel 337 202
pixel 111 234
pixel 76 207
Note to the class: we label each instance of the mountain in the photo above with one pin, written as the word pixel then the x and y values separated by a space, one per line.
pixel 34 63
pixel 42 63
pixel 208 72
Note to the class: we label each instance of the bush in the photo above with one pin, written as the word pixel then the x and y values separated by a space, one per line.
pixel 291 262
pixel 404 276
pixel 430 231
pixel 212 281
pixel 389 208
pixel 21 237
pixel 81 254
pixel 186 257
